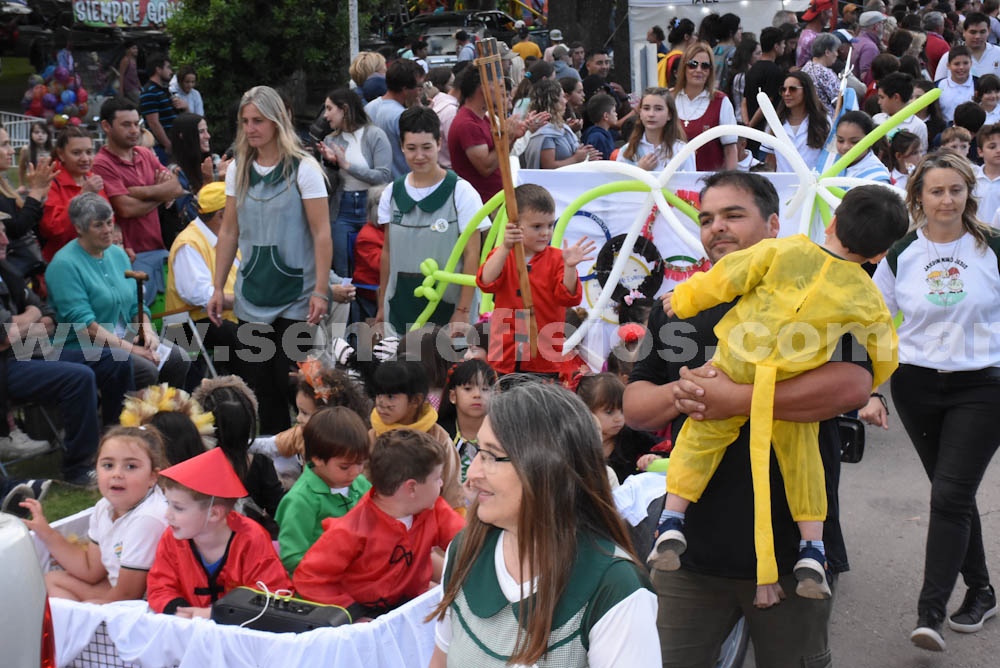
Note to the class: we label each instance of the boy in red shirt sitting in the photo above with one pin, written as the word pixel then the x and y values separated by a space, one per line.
pixel 378 555
pixel 555 285
pixel 208 548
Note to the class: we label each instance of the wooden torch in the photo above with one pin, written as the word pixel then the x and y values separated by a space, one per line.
pixel 495 92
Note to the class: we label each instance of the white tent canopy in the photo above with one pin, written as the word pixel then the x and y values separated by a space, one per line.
pixel 644 14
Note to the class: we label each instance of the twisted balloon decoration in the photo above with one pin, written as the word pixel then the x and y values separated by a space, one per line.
pixel 814 188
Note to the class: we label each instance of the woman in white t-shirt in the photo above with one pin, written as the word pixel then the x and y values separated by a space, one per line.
pixel 543 528
pixel 358 156
pixel 277 214
pixel 943 278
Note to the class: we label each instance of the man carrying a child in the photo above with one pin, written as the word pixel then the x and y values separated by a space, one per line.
pixel 716 582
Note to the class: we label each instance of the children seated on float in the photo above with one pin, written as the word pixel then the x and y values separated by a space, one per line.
pixel 234 406
pixel 378 555
pixel 555 285
pixel 622 446
pixel 208 548
pixel 182 423
pixel 125 525
pixel 432 347
pixel 400 390
pixel 464 404
pixel 336 449
pixel 319 387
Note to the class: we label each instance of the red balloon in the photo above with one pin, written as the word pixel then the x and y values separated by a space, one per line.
pixel 74 121
pixel 83 109
pixel 81 95
pixel 39 91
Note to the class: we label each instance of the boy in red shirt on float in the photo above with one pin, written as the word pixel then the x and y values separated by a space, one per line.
pixel 208 549
pixel 378 555
pixel 555 285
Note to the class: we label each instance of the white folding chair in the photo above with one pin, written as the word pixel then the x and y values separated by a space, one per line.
pixel 184 318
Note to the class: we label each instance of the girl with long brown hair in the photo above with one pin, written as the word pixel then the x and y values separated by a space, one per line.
pixel 544 573
pixel 657 135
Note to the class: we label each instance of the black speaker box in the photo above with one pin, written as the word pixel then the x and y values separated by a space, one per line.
pixel 281 614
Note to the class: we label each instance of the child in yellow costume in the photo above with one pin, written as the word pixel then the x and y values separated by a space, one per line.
pixel 797 299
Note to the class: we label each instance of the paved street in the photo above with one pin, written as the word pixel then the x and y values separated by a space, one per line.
pixel 884 514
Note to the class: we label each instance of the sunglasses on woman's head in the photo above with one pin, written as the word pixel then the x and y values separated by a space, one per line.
pixel 790 89
pixel 695 64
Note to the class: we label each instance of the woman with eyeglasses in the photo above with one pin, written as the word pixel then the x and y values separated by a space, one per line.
pixel 700 107
pixel 804 120
pixel 544 573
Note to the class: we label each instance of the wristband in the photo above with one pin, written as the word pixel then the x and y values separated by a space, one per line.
pixel 320 295
pixel 885 404
pixel 461 309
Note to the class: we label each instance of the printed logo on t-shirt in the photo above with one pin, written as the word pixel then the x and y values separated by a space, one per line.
pixel 944 283
pixel 118 549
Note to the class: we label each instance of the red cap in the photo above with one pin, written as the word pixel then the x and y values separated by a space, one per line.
pixel 209 473
pixel 816 8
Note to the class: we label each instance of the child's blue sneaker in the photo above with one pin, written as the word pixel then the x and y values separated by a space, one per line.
pixel 669 546
pixel 810 571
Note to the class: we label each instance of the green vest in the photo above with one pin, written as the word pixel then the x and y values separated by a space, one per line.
pixel 484 623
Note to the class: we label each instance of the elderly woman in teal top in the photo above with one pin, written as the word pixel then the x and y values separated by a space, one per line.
pixel 277 215
pixel 544 573
pixel 88 288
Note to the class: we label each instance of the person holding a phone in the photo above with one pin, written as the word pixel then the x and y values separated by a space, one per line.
pixel 357 155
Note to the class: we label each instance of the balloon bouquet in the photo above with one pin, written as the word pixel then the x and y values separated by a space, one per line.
pixel 57 96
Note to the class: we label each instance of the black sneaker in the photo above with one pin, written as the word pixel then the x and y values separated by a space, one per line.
pixel 12 502
pixel 86 479
pixel 978 606
pixel 927 635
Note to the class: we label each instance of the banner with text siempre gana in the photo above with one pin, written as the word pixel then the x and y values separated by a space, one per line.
pixel 124 13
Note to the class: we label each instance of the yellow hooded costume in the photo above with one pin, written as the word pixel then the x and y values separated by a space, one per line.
pixel 798 301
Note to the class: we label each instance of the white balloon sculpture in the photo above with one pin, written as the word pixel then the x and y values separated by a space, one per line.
pixel 812 185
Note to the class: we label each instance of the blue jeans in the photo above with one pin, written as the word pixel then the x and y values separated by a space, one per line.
pixel 351 218
pixel 71 383
pixel 953 420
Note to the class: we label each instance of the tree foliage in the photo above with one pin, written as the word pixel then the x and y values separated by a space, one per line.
pixel 593 22
pixel 235 45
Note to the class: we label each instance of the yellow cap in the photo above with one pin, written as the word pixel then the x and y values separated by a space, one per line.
pixel 212 197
